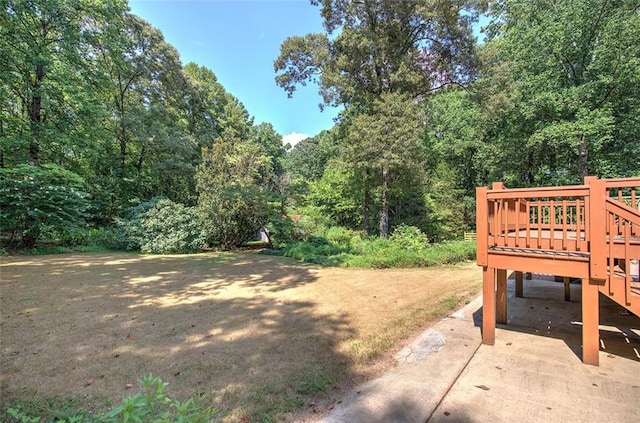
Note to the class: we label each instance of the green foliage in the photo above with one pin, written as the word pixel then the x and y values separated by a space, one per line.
pixel 337 197
pixel 560 89
pixel 150 405
pixel 233 182
pixel 161 226
pixel 375 47
pixel 409 238
pixel 38 199
pixel 407 247
pixel 283 230
pixel 98 101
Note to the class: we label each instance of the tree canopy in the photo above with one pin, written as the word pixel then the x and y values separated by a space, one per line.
pixel 100 121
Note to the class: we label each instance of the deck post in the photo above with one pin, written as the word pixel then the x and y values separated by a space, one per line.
pixel 590 319
pixel 567 288
pixel 488 306
pixel 519 285
pixel 501 296
pixel 597 229
pixel 482 226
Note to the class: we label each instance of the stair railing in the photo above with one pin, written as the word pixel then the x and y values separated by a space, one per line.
pixel 622 232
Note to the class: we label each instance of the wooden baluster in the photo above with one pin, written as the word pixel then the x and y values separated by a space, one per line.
pixel 627 261
pixel 578 226
pixel 552 222
pixel 635 205
pixel 539 244
pixel 610 224
pixel 528 214
pixel 516 206
pixel 564 223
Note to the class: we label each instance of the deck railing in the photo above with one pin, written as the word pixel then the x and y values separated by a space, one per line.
pixel 625 192
pixel 623 235
pixel 566 218
pixel 552 218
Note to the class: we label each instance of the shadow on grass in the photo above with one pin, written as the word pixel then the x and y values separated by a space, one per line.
pixel 231 326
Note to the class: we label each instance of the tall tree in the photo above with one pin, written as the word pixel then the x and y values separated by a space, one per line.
pixel 205 104
pixel 232 183
pixel 44 113
pixel 573 78
pixel 376 46
pixel 385 143
pixel 374 50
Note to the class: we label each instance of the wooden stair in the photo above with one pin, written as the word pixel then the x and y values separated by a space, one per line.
pixel 624 292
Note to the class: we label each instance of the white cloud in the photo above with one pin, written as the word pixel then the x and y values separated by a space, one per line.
pixel 293 138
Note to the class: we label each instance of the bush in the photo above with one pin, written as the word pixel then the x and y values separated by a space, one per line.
pixel 232 217
pixel 161 226
pixel 35 200
pixel 407 247
pixel 283 231
pixel 409 238
pixel 339 235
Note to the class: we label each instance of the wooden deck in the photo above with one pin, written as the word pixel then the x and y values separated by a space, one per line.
pixel 590 232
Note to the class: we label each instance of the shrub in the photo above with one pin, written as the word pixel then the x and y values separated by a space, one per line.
pixel 161 226
pixel 339 235
pixel 35 200
pixel 282 231
pixel 231 216
pixel 409 238
pixel 407 249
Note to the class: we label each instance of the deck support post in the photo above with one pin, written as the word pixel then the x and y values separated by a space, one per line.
pixel 567 288
pixel 488 306
pixel 501 296
pixel 519 285
pixel 590 320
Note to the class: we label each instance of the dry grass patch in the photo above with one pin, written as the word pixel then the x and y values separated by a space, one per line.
pixel 257 333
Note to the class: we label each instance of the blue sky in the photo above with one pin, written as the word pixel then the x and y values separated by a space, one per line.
pixel 239 40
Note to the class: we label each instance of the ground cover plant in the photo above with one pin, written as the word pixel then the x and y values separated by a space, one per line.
pixel 251 335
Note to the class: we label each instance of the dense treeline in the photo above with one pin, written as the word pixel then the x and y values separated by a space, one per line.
pixel 96 103
pixel 551 96
pixel 106 135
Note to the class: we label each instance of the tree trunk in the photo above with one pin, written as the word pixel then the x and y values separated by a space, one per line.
pixel 366 209
pixel 384 206
pixel 1 152
pixel 122 133
pixel 366 204
pixel 35 116
pixel 583 167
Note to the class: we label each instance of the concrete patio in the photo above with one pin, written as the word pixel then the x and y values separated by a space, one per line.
pixel 533 372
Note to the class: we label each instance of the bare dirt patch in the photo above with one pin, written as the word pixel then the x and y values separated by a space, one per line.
pixel 257 333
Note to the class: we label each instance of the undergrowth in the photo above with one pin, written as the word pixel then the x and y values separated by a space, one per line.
pixel 406 248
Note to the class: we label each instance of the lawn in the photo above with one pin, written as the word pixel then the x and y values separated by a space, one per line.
pixel 259 335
